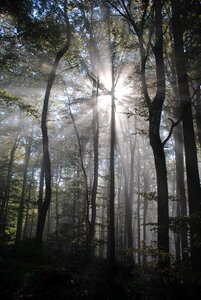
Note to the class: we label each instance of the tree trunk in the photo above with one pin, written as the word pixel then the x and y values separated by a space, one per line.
pixel 46 156
pixel 155 109
pixel 128 191
pixel 145 209
pixel 138 217
pixel 95 128
pixel 86 188
pixel 23 193
pixel 58 178
pixel 180 189
pixel 198 114
pixel 28 205
pixel 111 223
pixel 193 180
pixel 41 185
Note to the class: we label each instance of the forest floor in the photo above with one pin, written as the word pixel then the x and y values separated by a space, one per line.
pixel 57 277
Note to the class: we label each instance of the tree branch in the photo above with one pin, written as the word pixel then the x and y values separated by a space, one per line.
pixel 173 125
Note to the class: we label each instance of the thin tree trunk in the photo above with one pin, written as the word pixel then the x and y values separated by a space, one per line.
pixel 32 223
pixel 145 213
pixel 86 193
pixel 111 223
pixel 58 176
pixel 28 205
pixel 23 193
pixel 95 128
pixel 41 185
pixel 138 214
pixel 198 114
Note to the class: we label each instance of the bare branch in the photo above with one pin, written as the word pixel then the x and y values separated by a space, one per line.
pixel 173 125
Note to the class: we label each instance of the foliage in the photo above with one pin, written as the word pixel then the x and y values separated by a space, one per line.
pixel 13 101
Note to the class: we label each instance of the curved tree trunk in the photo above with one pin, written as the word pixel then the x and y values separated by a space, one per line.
pixel 155 110
pixel 46 155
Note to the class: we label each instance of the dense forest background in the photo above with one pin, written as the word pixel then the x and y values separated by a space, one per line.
pixel 100 149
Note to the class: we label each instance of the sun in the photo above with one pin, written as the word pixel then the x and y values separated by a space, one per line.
pixel 122 89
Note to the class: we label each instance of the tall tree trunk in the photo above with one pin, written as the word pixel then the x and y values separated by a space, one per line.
pixel 145 209
pixel 181 237
pixel 198 113
pixel 23 193
pixel 58 178
pixel 41 186
pixel 138 217
pixel 32 223
pixel 130 200
pixel 28 204
pixel 95 128
pixel 86 188
pixel 128 191
pixel 111 215
pixel 155 109
pixel 180 189
pixel 193 180
pixel 46 155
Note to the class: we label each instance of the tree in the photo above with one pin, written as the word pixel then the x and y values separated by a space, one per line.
pixel 23 192
pixel 156 105
pixel 193 180
pixel 46 156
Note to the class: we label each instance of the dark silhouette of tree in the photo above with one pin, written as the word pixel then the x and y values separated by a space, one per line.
pixel 46 156
pixel 193 180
